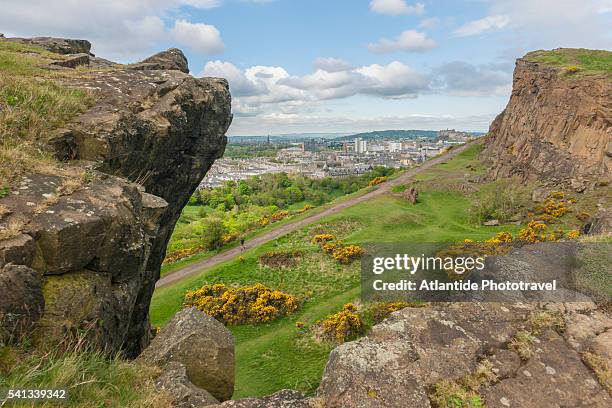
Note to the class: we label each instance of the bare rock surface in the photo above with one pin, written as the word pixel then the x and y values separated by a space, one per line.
pixel 555 128
pixel 400 361
pixel 138 153
pixel 57 45
pixel 183 393
pixel 171 59
pixel 22 302
pixel 203 345
pixel 280 399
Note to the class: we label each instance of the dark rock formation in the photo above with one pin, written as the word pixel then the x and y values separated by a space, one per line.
pixel 601 223
pixel 556 129
pixel 57 45
pixel 412 195
pixel 98 238
pixel 203 345
pixel 171 59
pixel 22 302
pixel 280 399
pixel 183 393
pixel 73 61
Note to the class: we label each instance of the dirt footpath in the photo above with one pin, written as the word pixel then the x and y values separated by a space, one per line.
pixel 197 267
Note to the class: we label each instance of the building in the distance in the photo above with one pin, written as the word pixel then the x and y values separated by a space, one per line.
pixel 361 146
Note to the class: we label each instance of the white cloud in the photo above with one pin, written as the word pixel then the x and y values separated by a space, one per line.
pixel 489 23
pixel 409 40
pixel 331 64
pixel 120 30
pixel 429 23
pixel 546 24
pixel 202 38
pixel 262 89
pixel 460 78
pixel 396 7
pixel 201 4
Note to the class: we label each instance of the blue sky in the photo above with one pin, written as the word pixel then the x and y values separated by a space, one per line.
pixel 297 66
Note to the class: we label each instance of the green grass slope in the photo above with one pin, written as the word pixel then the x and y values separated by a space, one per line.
pixel 576 61
pixel 276 355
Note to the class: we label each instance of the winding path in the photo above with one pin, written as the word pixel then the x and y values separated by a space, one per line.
pixel 197 267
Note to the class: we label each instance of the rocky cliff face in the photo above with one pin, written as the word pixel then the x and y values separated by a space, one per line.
pixel 96 240
pixel 557 126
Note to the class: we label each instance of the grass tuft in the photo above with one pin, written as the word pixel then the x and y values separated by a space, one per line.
pixel 32 104
pixel 91 377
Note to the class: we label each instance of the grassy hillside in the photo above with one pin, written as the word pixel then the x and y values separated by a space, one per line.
pixel 575 61
pixel 32 103
pixel 278 355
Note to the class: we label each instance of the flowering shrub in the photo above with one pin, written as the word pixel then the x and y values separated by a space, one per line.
pixel 342 326
pixel 536 231
pixel 572 69
pixel 554 207
pixel 305 208
pixel 227 238
pixel 573 234
pixel 181 253
pixel 245 305
pixel 263 221
pixel 500 237
pixel 377 180
pixel 330 247
pixel 323 238
pixel 346 254
pixel 277 259
pixel 380 311
pixel 279 215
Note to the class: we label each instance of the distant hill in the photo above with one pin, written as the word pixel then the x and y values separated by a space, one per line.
pixel 391 134
pixel 288 137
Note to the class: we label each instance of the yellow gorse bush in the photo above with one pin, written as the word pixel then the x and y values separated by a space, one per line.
pixel 554 207
pixel 535 232
pixel 305 208
pixel 500 237
pixel 245 305
pixel 227 238
pixel 323 238
pixel 377 180
pixel 279 215
pixel 573 234
pixel 344 325
pixel 346 254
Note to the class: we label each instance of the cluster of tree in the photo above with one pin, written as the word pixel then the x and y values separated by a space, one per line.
pixel 245 151
pixel 282 190
pixel 220 215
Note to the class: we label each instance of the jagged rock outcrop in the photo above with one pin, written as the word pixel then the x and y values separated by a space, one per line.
pixel 557 127
pixel 57 45
pixel 203 345
pixel 97 238
pixel 402 361
pixel 172 58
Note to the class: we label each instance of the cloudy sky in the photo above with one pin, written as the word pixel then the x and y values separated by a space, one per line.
pixel 298 66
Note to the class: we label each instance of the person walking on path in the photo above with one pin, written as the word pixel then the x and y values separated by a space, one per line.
pixel 242 244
